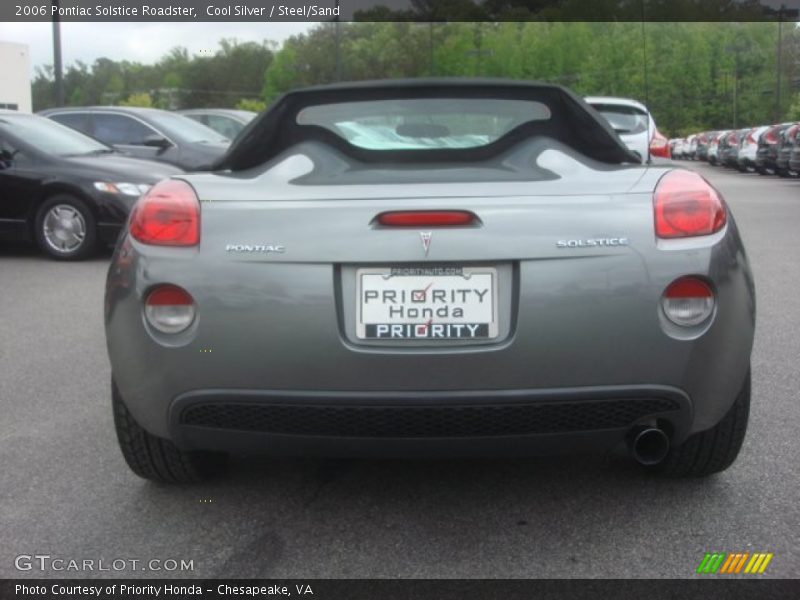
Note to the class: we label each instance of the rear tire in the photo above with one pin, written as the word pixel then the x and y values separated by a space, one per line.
pixel 158 459
pixel 713 450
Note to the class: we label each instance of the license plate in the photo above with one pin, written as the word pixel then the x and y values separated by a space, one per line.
pixel 427 303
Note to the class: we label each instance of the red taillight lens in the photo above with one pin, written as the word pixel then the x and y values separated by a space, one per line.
pixel 750 138
pixel 169 309
pixel 169 295
pixel 168 215
pixel 688 287
pixel 770 137
pixel 686 205
pixel 659 146
pixel 427 218
pixel 688 301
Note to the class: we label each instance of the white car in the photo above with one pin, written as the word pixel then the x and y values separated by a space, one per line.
pixel 749 148
pixel 630 119
pixel 691 147
pixel 678 146
pixel 713 146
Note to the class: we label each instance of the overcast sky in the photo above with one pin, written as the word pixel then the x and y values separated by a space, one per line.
pixel 142 42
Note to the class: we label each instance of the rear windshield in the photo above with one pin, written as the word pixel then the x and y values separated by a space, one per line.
pixel 625 120
pixel 419 124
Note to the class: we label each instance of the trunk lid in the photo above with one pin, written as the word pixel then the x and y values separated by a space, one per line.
pixel 571 208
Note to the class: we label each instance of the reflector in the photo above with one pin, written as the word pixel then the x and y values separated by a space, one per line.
pixel 688 287
pixel 169 309
pixel 168 295
pixel 688 301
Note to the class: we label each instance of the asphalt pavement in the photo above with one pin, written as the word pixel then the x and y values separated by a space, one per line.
pixel 65 491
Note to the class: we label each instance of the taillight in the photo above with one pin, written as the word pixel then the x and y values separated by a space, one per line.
pixel 426 218
pixel 168 215
pixel 770 137
pixel 688 301
pixel 169 309
pixel 750 138
pixel 686 205
pixel 659 145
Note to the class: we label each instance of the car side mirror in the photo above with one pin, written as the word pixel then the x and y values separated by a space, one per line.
pixel 6 159
pixel 156 141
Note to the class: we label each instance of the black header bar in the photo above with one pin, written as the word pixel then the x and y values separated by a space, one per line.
pixel 385 589
pixel 398 10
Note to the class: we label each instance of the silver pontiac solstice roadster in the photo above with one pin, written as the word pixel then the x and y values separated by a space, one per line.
pixel 430 268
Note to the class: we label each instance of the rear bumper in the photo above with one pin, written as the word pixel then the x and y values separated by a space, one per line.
pixel 765 159
pixel 466 423
pixel 579 322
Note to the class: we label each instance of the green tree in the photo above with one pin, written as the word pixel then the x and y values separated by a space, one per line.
pixel 251 105
pixel 142 100
pixel 794 109
pixel 698 74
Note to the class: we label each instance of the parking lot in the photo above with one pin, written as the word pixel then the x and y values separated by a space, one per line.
pixel 67 493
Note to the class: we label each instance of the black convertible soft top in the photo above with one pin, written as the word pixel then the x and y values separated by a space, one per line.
pixel 573 122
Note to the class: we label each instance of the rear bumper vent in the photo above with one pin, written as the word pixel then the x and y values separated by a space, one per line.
pixel 437 421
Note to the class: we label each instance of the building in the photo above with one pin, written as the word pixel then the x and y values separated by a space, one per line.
pixel 15 73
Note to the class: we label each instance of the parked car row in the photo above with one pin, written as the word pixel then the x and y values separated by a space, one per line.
pixel 767 149
pixel 70 176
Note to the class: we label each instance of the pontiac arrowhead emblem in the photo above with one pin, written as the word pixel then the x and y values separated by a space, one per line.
pixel 425 236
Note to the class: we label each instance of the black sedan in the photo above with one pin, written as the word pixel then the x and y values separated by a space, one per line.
pixel 147 133
pixel 64 190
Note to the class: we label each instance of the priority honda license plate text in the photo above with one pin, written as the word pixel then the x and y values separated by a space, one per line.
pixel 427 303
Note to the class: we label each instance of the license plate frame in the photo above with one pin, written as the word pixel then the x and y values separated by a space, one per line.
pixel 446 327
